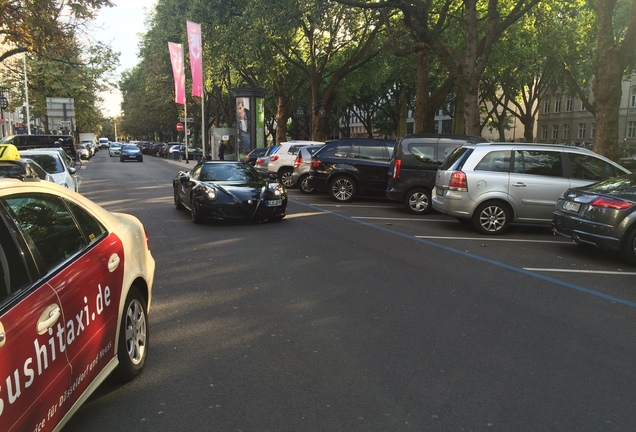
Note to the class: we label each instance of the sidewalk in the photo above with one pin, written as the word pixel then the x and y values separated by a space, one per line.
pixel 182 164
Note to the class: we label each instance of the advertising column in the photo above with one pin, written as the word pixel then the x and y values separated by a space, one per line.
pixel 250 120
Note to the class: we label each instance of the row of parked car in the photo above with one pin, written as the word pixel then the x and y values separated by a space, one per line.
pixel 170 150
pixel 583 195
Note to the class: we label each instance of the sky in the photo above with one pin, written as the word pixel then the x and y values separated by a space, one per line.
pixel 121 27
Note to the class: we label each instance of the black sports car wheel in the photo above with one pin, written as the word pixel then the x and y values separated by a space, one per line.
pixel 195 212
pixel 177 201
pixel 342 189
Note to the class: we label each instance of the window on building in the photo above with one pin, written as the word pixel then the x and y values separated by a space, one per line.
pixel 555 132
pixel 557 104
pixel 592 130
pixel 631 129
pixel 581 130
pixel 546 106
pixel 544 132
pixel 568 104
pixel 583 106
pixel 633 98
pixel 566 131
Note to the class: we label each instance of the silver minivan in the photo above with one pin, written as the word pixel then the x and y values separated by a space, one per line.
pixel 494 184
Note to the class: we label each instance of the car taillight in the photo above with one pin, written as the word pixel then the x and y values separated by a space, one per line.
pixel 458 181
pixel 259 161
pixel 315 163
pixel 396 168
pixel 611 203
pixel 147 239
pixel 273 158
pixel 298 161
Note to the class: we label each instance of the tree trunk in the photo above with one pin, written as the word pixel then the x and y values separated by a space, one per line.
pixel 607 84
pixel 281 119
pixel 424 113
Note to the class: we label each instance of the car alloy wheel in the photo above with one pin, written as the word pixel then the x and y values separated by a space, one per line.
pixel 492 218
pixel 418 201
pixel 285 178
pixel 133 336
pixel 629 246
pixel 342 189
pixel 177 200
pixel 195 212
pixel 304 186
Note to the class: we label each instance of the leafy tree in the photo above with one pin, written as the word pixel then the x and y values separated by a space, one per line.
pixel 44 27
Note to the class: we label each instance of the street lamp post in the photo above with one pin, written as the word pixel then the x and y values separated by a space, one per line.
pixel 4 104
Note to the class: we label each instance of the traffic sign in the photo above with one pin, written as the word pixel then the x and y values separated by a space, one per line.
pixel 189 119
pixel 179 127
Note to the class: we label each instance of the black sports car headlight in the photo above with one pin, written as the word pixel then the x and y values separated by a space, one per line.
pixel 277 189
pixel 209 192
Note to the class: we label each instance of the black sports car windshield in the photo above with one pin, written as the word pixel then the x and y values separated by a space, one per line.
pixel 239 172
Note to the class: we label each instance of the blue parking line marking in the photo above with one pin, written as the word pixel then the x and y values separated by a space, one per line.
pixel 477 257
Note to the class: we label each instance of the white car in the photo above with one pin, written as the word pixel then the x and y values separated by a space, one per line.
pixel 54 164
pixel 114 149
pixel 75 292
pixel 281 161
pixel 82 151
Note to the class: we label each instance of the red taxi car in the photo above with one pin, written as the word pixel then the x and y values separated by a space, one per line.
pixel 75 291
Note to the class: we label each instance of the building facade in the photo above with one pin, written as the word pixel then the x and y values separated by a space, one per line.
pixel 563 119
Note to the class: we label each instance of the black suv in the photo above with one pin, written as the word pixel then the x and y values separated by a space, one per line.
pixel 348 167
pixel 414 162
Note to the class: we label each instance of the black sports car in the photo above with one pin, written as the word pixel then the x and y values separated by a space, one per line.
pixel 229 190
pixel 602 214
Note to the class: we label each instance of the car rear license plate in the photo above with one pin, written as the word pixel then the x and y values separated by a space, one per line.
pixel 274 203
pixel 571 206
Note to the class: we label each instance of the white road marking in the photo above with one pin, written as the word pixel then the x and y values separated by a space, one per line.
pixel 491 239
pixel 581 271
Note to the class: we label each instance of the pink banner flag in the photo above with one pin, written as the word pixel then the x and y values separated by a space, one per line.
pixel 176 58
pixel 196 58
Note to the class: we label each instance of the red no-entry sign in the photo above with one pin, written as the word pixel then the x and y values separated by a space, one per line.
pixel 179 127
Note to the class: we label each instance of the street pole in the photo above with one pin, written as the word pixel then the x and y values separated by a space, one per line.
pixel 26 95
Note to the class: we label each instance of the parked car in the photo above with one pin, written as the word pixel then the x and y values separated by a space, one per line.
pixel 13 165
pixel 229 190
pixel 347 167
pixel 602 214
pixel 35 141
pixel 301 168
pixel 114 149
pixel 281 160
pixel 262 162
pixel 413 166
pixel 251 157
pixel 75 292
pixel 56 165
pixel 495 184
pixel 130 152
pixel 83 151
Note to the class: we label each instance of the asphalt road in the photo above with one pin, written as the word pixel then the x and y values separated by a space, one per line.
pixel 361 317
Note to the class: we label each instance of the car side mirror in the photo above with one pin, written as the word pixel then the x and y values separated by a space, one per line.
pixel 72 170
